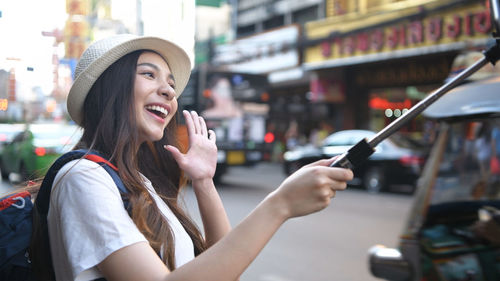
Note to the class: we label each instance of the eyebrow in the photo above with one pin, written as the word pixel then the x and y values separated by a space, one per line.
pixel 156 68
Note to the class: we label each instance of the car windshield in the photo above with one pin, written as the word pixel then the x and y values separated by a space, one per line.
pixel 347 138
pixel 8 131
pixel 55 136
pixel 352 137
pixel 468 170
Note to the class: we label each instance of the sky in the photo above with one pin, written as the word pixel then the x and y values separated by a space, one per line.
pixel 21 26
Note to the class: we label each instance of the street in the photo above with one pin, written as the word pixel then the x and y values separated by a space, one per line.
pixel 329 245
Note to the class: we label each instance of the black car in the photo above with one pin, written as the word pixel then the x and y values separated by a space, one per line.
pixel 453 228
pixel 395 163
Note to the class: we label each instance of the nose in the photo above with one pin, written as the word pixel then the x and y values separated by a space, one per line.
pixel 167 91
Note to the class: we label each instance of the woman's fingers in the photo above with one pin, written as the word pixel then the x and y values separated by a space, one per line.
pixel 196 122
pixel 203 126
pixel 189 122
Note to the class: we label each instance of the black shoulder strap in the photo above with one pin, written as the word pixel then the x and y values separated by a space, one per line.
pixel 43 197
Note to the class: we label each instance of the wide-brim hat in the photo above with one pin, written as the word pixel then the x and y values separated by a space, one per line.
pixel 103 53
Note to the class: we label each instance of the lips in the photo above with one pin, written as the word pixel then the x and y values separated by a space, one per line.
pixel 157 110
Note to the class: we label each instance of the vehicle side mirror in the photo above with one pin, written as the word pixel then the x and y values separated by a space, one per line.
pixel 389 264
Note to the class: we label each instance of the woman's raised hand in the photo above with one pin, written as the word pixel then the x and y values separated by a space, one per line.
pixel 311 188
pixel 200 160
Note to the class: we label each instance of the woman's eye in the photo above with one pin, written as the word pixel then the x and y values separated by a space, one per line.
pixel 148 74
pixel 172 85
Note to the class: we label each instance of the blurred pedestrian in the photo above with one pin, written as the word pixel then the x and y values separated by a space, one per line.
pixel 319 134
pixel 292 135
pixel 125 99
pixel 483 150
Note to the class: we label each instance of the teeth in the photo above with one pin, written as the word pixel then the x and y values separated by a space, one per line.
pixel 157 108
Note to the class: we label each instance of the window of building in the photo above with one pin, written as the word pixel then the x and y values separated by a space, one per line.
pixel 245 30
pixel 273 22
pixel 306 15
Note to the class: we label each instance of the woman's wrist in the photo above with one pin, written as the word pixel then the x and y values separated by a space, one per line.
pixel 277 206
pixel 202 181
pixel 203 185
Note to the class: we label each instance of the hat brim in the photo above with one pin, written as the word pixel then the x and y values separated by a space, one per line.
pixel 176 58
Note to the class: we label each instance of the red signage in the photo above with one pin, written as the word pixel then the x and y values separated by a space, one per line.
pixel 381 103
pixel 415 32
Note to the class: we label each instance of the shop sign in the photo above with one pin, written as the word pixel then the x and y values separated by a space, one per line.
pixel 326 90
pixel 383 104
pixel 77 7
pixel 76 28
pixel 261 53
pixel 412 72
pixel 437 29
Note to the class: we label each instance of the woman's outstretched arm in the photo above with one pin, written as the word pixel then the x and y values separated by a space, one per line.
pixel 308 190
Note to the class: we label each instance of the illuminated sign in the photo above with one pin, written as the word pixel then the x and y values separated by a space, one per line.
pixel 410 34
pixel 426 29
pixel 381 103
pixel 77 7
pixel 4 104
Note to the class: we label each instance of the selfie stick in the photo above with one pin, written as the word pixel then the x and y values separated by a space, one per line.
pixel 363 149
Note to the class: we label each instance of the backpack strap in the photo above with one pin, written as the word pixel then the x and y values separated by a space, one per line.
pixel 43 197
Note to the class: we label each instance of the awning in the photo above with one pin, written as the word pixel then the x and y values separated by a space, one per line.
pixel 474 98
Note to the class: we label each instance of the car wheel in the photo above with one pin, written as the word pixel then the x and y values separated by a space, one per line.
pixel 374 180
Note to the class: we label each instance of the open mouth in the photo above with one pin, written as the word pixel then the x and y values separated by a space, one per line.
pixel 157 110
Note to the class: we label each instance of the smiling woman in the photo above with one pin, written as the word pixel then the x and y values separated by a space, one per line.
pixel 125 99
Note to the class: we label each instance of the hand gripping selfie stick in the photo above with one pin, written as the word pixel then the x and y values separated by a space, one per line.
pixel 363 149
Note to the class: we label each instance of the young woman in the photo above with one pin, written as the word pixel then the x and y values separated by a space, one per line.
pixel 125 98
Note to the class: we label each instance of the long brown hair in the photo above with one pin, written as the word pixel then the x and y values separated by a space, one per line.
pixel 109 127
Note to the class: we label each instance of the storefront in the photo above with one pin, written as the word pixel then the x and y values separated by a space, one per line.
pixel 275 53
pixel 378 66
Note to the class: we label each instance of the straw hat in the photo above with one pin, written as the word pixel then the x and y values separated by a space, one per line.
pixel 102 53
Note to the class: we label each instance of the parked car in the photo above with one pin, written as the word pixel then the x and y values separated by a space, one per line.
pixel 453 228
pixel 394 162
pixel 32 151
pixel 8 131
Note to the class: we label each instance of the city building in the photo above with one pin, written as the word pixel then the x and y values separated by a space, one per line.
pixel 355 64
pixel 256 16
pixel 376 59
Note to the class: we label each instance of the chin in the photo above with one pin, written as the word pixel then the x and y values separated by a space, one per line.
pixel 153 135
pixel 157 137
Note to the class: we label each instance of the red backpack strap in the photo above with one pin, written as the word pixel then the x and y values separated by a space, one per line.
pixel 14 199
pixel 99 159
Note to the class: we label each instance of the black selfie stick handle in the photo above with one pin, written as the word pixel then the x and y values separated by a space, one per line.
pixel 354 156
pixel 363 149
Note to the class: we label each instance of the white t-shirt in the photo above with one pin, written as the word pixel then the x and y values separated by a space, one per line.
pixel 87 221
